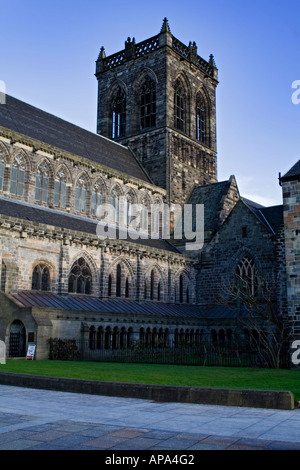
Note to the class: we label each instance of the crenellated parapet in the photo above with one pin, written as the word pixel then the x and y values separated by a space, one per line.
pixel 135 50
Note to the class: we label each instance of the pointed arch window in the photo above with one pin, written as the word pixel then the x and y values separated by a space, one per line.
pixel 60 189
pixel 152 280
pixel 187 295
pixel 41 278
pixel 17 177
pixel 92 337
pixel 2 166
pixel 100 338
pixel 144 216
pixel 181 288
pixel 80 278
pixel 148 104
pixel 42 183
pixel 201 116
pixel 119 114
pixel 80 196
pixel 159 291
pixel 156 219
pixel 127 288
pixel 183 295
pixel 118 281
pixel 179 106
pixel 109 285
pixel 96 199
pixel 3 275
pixel 115 205
pixel 128 201
pixel 246 274
pixel 144 221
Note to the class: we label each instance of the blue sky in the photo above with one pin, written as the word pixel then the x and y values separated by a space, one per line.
pixel 49 49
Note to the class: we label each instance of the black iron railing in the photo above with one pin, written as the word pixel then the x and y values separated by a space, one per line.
pixel 205 354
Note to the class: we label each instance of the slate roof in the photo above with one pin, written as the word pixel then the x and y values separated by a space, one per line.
pixel 221 311
pixel 94 304
pixel 210 195
pixel 274 216
pixel 49 129
pixel 271 217
pixel 43 215
pixel 292 173
pixel 36 299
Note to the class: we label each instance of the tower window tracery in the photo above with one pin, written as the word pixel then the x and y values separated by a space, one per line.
pixel 179 106
pixel 119 114
pixel 201 120
pixel 148 104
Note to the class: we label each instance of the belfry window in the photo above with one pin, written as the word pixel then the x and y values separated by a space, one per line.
pixel 17 177
pixel 60 189
pixel 80 278
pixel 246 274
pixel 119 115
pixel 2 166
pixel 80 196
pixel 148 104
pixel 201 120
pixel 41 278
pixel 179 106
pixel 41 184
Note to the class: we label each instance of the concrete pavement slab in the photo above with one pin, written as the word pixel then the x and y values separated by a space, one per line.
pixel 48 420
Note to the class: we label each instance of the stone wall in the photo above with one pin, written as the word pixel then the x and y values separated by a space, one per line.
pixel 242 234
pixel 291 204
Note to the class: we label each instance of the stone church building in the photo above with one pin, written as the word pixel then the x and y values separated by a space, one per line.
pixel 155 145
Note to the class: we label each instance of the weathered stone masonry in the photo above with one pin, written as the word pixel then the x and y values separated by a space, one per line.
pixel 156 143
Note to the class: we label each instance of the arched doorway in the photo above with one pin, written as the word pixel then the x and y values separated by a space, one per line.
pixel 17 339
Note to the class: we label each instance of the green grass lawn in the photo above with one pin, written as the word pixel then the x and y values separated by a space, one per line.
pixel 216 377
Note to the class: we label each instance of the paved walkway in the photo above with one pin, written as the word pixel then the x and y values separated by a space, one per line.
pixel 48 420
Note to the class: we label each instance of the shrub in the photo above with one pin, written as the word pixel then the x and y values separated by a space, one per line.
pixel 63 349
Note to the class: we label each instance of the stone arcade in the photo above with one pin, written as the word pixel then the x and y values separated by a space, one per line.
pixel 155 144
